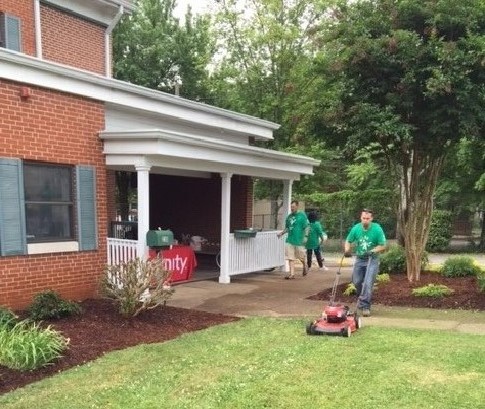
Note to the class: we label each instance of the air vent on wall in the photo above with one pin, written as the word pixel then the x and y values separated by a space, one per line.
pixel 10 32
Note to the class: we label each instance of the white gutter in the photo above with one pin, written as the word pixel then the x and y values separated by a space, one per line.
pixel 20 67
pixel 107 44
pixel 212 144
pixel 38 31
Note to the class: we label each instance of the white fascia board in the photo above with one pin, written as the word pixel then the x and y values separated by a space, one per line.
pixel 199 168
pixel 101 11
pixel 18 67
pixel 196 148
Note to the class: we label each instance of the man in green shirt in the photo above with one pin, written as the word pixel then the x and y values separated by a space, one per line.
pixel 297 226
pixel 369 240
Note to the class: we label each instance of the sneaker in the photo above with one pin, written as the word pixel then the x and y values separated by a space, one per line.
pixel 290 277
pixel 366 312
pixel 323 268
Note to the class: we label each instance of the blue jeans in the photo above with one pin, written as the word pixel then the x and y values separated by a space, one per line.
pixel 364 278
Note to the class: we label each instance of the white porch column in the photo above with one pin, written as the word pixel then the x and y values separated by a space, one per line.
pixel 287 193
pixel 143 208
pixel 224 277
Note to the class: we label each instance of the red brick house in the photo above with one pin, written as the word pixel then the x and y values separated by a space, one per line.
pixel 66 126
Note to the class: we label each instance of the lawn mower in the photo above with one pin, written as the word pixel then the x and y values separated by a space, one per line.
pixel 336 319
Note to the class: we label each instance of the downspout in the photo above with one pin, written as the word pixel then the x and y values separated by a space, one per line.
pixel 107 45
pixel 38 30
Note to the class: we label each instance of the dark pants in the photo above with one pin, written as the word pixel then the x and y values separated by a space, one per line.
pixel 318 255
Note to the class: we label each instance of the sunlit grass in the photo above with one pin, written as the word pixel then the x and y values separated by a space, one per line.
pixel 272 363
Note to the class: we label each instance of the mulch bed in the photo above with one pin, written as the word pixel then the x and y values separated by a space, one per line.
pixel 100 329
pixel 398 292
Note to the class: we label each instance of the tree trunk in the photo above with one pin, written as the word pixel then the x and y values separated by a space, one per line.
pixel 417 185
pixel 481 245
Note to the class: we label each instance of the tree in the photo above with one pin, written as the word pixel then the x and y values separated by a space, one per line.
pixel 461 185
pixel 263 69
pixel 152 49
pixel 266 48
pixel 408 75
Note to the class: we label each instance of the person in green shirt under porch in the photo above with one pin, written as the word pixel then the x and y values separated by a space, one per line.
pixel 297 227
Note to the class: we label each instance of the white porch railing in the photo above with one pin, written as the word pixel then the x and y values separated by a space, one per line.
pixel 246 255
pixel 120 250
pixel 258 253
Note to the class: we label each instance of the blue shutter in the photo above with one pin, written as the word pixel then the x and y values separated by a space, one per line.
pixel 86 207
pixel 12 208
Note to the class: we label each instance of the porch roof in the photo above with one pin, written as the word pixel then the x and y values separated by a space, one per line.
pixel 118 95
pixel 169 152
pixel 161 130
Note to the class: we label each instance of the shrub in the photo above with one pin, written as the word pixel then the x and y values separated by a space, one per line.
pixel 7 318
pixel 440 231
pixel 48 304
pixel 350 289
pixel 460 266
pixel 137 285
pixel 383 278
pixel 393 261
pixel 433 290
pixel 26 346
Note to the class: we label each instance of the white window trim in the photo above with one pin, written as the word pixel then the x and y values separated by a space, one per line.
pixel 52 247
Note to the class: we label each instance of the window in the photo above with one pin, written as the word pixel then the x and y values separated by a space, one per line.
pixel 10 32
pixel 48 202
pixel 44 203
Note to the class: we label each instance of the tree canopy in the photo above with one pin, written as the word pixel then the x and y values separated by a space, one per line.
pixel 409 76
pixel 152 49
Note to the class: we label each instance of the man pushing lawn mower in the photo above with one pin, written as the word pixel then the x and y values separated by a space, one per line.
pixel 369 240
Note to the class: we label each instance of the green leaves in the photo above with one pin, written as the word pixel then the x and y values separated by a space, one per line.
pixel 152 49
pixel 27 346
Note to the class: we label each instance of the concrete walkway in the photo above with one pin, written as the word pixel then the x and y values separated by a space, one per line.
pixel 269 294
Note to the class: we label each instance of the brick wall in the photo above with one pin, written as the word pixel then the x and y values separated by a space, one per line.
pixel 23 9
pixel 70 40
pixel 193 206
pixel 57 128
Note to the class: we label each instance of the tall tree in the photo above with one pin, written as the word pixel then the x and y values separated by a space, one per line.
pixel 266 46
pixel 153 49
pixel 409 76
pixel 262 69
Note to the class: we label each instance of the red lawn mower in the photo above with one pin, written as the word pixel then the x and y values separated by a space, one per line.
pixel 337 319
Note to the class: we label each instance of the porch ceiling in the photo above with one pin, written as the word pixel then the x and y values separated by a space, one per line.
pixel 168 151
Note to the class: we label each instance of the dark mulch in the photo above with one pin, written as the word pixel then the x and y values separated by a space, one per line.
pixel 100 329
pixel 398 292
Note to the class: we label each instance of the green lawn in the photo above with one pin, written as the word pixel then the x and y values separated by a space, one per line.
pixel 272 363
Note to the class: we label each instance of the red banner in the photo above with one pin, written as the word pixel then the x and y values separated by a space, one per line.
pixel 180 260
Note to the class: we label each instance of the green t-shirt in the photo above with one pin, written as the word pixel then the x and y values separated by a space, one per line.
pixel 366 240
pixel 296 224
pixel 316 233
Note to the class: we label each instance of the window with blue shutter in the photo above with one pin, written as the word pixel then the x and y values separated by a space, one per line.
pixel 12 208
pixel 46 203
pixel 86 207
